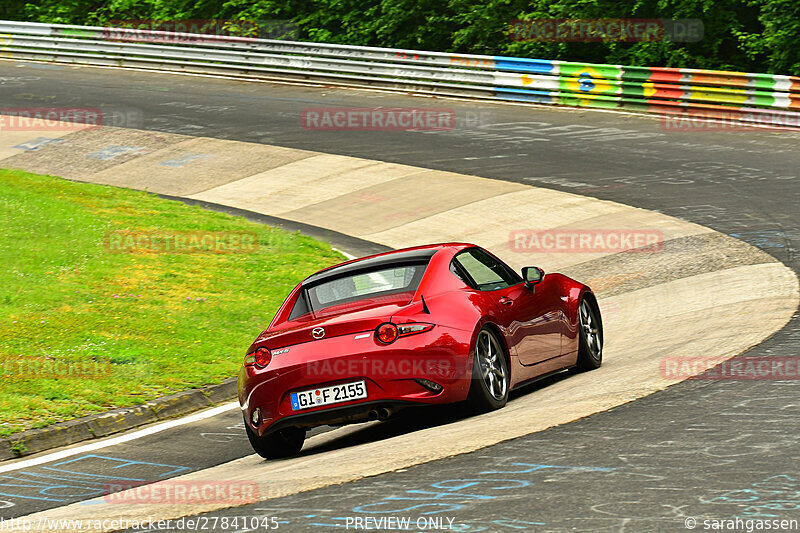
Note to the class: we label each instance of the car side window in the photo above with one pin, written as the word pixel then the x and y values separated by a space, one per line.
pixel 486 272
pixel 458 271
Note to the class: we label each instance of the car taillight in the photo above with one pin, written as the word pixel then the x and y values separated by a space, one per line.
pixel 386 333
pixel 262 357
pixel 411 329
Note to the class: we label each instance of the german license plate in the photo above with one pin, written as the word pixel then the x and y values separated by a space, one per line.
pixel 345 392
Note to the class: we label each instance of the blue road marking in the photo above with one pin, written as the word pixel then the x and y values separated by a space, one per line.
pixel 530 467
pixel 183 160
pixel 110 152
pixel 126 462
pixel 35 144
pixel 56 484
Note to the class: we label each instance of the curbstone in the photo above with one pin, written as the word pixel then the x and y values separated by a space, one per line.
pixel 178 404
pixel 223 392
pixel 5 450
pixel 104 424
pixel 115 421
pixel 63 434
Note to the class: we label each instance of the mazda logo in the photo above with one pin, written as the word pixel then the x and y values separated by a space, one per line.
pixel 318 333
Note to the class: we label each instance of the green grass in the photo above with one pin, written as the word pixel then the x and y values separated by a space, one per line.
pixel 84 329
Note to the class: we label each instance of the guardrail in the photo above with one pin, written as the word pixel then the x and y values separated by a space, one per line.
pixel 732 96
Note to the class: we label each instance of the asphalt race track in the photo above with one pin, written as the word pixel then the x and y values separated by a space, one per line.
pixel 704 449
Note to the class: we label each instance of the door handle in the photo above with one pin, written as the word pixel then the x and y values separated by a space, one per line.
pixel 506 301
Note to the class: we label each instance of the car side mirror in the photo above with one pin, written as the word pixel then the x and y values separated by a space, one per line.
pixel 532 276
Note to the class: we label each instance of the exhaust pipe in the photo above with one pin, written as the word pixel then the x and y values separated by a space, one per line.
pixel 373 415
pixel 384 413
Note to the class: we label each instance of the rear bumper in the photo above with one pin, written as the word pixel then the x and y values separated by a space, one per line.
pixel 390 372
pixel 336 414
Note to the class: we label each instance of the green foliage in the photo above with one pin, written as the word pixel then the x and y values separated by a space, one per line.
pixel 18 448
pixel 777 40
pixel 85 327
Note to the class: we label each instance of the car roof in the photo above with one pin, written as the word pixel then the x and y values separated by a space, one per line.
pixel 405 255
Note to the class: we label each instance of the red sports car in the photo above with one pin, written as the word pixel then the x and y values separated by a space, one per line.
pixel 429 325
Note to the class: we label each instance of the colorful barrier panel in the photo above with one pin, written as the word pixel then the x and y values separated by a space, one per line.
pixel 731 96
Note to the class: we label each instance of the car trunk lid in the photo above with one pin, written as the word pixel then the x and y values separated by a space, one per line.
pixel 309 327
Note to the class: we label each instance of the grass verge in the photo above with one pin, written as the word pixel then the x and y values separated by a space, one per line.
pixel 112 297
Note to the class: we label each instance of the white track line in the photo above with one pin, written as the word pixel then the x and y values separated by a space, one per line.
pixel 348 256
pixel 122 438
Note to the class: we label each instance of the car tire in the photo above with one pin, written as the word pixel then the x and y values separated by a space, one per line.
pixel 490 376
pixel 590 336
pixel 282 443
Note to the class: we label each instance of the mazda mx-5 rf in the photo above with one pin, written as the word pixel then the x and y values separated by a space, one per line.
pixel 435 324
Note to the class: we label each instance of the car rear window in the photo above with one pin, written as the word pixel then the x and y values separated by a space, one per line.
pixel 357 290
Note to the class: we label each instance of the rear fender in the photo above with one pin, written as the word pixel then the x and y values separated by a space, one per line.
pixel 575 292
pixel 498 331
